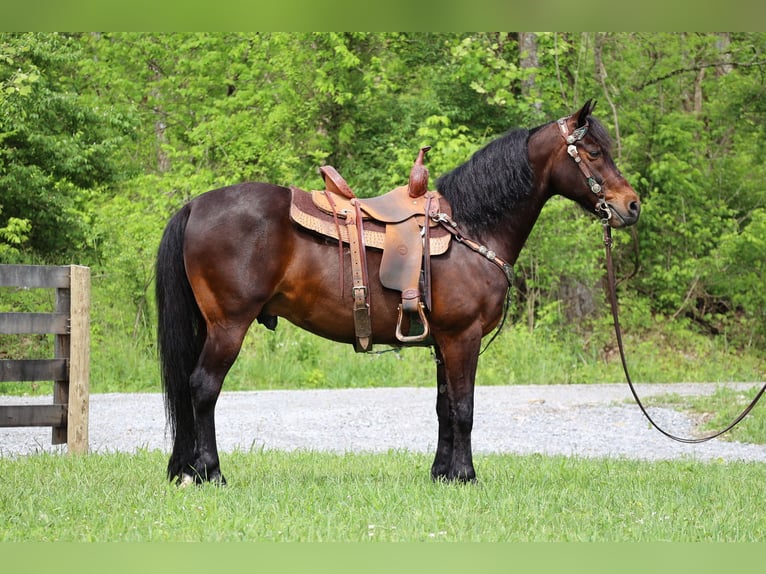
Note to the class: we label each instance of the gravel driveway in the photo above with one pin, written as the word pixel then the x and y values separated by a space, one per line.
pixel 579 420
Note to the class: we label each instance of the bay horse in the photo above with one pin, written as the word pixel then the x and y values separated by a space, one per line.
pixel 232 256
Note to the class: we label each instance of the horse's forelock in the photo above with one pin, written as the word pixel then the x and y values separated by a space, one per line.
pixel 600 134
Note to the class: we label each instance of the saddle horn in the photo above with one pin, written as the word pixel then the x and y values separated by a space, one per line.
pixel 418 183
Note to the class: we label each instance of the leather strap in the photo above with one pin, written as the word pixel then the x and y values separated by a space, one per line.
pixel 429 213
pixel 360 287
pixel 450 225
pixel 571 141
pixel 342 272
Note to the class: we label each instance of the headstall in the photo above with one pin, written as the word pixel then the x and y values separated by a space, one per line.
pixel 571 140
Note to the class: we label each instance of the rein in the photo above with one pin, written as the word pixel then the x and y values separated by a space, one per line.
pixel 603 209
pixel 618 333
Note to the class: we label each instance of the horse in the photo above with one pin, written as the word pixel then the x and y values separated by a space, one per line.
pixel 232 256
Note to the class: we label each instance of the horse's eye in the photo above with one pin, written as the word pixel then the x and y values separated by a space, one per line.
pixel 594 153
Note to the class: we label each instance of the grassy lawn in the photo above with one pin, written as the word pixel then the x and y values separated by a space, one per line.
pixel 309 496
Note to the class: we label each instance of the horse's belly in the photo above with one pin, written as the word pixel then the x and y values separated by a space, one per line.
pixel 316 295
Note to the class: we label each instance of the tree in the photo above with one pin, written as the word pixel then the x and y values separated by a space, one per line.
pixel 55 152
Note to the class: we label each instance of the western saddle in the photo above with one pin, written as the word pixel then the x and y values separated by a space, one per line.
pixel 402 223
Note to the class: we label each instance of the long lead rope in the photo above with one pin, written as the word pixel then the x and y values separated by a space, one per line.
pixel 618 332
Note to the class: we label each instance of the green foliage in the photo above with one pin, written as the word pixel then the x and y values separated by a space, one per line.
pixel 691 140
pixel 489 64
pixel 450 146
pixel 12 236
pixel 735 271
pixel 321 497
pixel 55 151
pixel 104 135
pixel 564 251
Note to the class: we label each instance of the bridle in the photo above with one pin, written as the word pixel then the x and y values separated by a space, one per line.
pixel 602 208
pixel 571 140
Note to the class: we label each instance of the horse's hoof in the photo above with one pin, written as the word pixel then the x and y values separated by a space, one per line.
pixel 464 478
pixel 186 480
pixel 440 474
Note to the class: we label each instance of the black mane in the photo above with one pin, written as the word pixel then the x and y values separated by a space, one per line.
pixel 498 178
pixel 493 182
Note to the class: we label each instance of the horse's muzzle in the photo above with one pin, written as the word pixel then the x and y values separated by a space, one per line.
pixel 625 214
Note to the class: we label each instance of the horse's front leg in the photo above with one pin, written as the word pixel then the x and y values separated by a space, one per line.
pixel 454 459
pixel 443 460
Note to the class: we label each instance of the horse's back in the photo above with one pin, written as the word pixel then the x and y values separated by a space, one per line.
pixel 240 200
pixel 229 215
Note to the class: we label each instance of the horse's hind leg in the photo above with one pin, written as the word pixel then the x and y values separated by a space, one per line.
pixel 221 348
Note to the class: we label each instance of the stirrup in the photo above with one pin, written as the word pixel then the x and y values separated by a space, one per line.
pixel 412 338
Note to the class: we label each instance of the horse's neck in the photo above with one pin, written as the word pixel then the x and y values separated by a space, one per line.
pixel 513 233
pixel 509 236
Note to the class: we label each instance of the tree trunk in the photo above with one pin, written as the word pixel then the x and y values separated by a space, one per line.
pixel 598 57
pixel 160 125
pixel 529 62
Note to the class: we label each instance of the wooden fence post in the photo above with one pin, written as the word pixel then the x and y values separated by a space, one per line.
pixel 70 367
pixel 79 360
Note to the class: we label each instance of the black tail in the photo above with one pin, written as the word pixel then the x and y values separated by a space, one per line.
pixel 180 335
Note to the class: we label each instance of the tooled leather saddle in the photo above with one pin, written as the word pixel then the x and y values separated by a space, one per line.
pixel 402 223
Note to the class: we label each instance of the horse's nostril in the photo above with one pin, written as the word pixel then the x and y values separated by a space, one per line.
pixel 634 207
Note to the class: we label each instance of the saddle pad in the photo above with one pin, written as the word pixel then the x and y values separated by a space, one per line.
pixel 306 214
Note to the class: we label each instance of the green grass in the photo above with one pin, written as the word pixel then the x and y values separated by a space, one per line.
pixel 309 496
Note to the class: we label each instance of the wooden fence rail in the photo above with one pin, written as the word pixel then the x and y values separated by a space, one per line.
pixel 69 368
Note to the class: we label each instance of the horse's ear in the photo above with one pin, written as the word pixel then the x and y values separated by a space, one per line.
pixel 584 112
